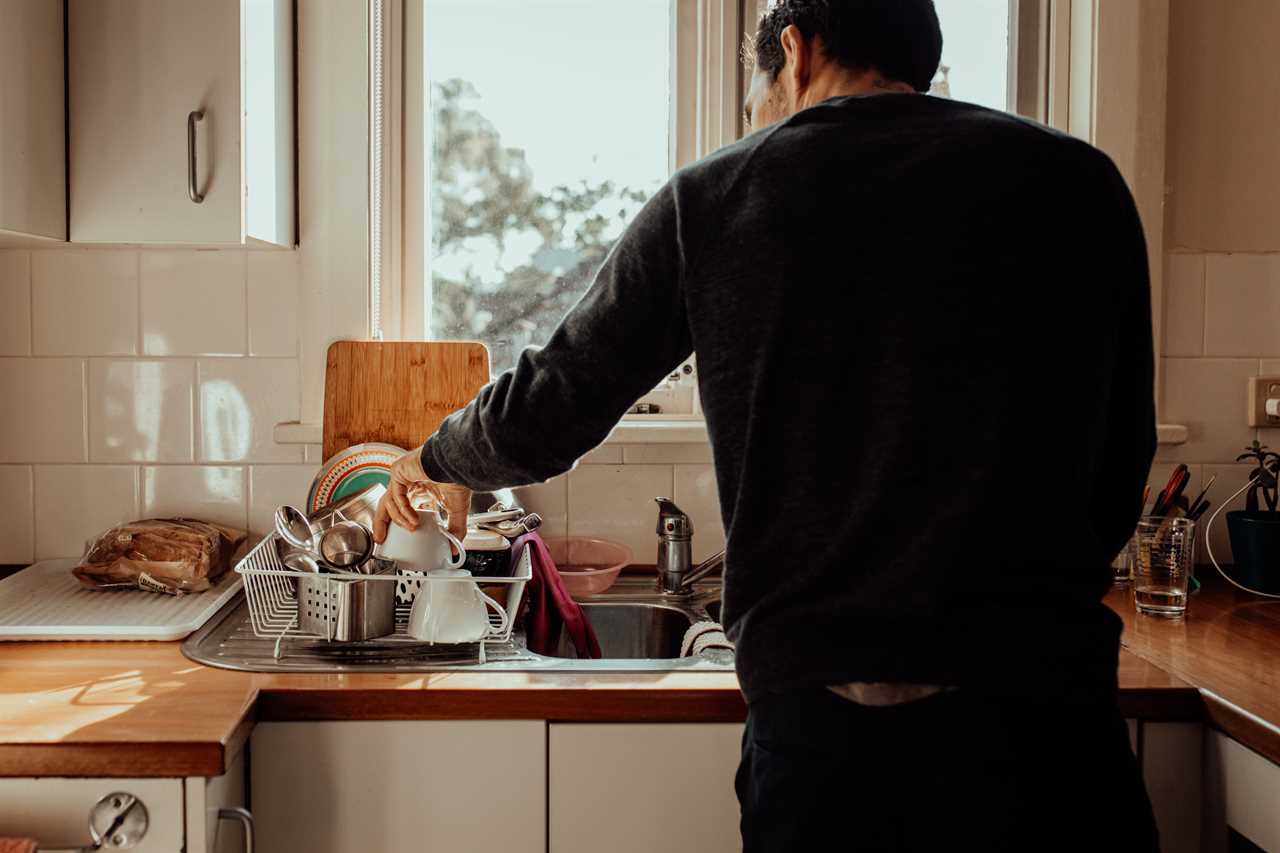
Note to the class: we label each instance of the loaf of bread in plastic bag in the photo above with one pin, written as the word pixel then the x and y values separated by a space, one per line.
pixel 167 555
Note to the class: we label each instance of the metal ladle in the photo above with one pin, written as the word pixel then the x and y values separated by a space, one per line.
pixel 294 528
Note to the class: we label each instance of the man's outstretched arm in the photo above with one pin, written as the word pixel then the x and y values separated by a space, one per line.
pixel 628 332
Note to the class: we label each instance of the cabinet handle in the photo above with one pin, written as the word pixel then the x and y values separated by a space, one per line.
pixel 193 117
pixel 246 821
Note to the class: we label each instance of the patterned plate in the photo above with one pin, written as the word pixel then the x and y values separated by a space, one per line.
pixel 351 470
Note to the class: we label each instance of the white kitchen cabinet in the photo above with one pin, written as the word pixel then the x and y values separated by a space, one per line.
pixel 182 814
pixel 1242 796
pixel 33 184
pixel 399 786
pixel 153 81
pixel 641 787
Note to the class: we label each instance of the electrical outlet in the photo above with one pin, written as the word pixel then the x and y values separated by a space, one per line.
pixel 1262 389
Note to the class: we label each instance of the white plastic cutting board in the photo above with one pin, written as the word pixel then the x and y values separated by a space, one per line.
pixel 46 602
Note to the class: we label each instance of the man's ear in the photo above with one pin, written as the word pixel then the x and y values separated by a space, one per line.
pixel 799 62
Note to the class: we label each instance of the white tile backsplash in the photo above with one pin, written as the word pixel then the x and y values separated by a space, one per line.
pixel 240 402
pixel 1184 305
pixel 695 493
pixel 271 486
pixel 1242 305
pixel 84 302
pixel 217 493
pixel 44 418
pixel 194 303
pixel 116 407
pixel 141 410
pixel 1207 395
pixel 15 303
pixel 1235 310
pixel 605 454
pixel 616 502
pixel 549 500
pixel 17 515
pixel 273 303
pixel 74 503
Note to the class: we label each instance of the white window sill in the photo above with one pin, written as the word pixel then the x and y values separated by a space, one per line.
pixel 634 429
pixel 659 429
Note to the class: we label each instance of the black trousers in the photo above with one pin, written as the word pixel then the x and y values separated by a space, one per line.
pixel 956 771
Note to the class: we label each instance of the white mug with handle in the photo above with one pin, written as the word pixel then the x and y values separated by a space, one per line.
pixel 426 548
pixel 450 608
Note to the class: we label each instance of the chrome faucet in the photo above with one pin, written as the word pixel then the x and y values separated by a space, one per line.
pixel 676 573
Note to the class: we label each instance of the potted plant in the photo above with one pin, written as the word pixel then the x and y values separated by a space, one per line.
pixel 1254 531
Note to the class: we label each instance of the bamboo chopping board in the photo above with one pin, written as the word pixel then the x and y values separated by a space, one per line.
pixel 397 393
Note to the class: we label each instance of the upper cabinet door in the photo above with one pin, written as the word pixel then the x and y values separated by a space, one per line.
pixel 161 94
pixel 33 195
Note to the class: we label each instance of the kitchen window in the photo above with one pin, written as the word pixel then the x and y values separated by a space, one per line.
pixel 521 136
pixel 548 130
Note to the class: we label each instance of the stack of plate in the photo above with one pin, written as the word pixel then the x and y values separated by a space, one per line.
pixel 351 470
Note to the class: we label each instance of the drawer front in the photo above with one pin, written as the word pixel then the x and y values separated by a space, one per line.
pixel 640 787
pixel 55 812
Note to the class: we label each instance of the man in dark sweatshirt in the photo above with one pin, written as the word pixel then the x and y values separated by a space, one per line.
pixel 924 351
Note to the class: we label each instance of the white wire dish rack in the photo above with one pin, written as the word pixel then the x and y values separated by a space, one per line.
pixel 285 604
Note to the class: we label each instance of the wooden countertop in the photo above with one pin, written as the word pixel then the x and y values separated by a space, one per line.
pixel 1228 646
pixel 142 709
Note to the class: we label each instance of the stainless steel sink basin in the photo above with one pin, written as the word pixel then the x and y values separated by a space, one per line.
pixel 639 630
pixel 713 609
pixel 630 631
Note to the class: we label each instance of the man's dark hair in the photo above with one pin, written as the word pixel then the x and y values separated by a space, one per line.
pixel 899 38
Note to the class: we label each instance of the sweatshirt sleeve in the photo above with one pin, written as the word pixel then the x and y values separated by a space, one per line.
pixel 629 331
pixel 1131 436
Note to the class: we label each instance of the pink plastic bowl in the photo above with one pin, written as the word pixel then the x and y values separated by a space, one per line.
pixel 588 566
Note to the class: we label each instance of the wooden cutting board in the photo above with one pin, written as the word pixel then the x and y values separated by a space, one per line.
pixel 397 392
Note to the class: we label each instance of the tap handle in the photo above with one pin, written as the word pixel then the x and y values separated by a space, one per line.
pixel 673 523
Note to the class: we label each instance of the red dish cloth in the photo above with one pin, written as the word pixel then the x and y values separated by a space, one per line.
pixel 551 609
pixel 17 845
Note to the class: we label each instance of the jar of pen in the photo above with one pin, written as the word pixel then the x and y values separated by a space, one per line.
pixel 1160 557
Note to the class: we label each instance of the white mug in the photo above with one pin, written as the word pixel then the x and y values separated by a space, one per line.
pixel 426 548
pixel 450 608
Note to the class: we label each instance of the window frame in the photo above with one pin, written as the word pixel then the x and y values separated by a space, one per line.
pixel 707 94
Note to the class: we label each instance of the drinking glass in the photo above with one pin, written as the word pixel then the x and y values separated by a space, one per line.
pixel 1162 565
pixel 1122 565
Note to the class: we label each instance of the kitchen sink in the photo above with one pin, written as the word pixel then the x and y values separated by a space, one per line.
pixel 630 631
pixel 639 630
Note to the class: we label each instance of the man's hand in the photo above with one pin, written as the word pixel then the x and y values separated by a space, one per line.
pixel 408 483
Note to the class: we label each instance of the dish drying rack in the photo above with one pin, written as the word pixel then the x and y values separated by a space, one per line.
pixel 272 591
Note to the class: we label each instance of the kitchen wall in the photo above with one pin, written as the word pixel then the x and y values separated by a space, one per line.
pixel 143 383
pixel 147 383
pixel 1222 228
